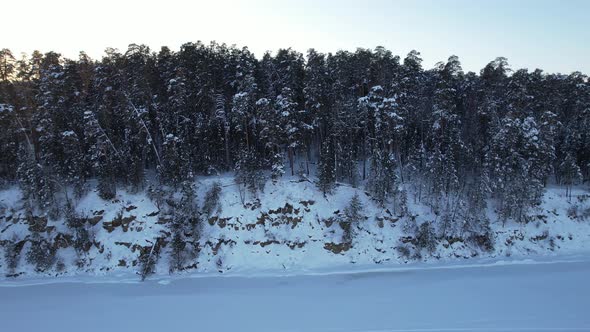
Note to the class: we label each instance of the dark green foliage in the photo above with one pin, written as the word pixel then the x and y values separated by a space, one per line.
pixel 353 216
pixel 382 178
pixel 211 201
pixel 82 238
pixel 360 118
pixel 517 168
pixel 404 251
pixel 178 255
pixel 326 171
pixel 569 173
pixel 425 238
pixel 170 170
pixel 354 210
pixel 249 171
pixel 401 201
pixel 147 260
pixel 277 168
pixel 484 240
pixel 185 227
pixel 36 184
pixel 41 253
pixel 12 255
pixel 188 214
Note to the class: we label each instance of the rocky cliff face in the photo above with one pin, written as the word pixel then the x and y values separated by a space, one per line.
pixel 289 227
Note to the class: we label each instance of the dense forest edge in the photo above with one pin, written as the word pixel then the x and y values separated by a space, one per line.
pixel 448 156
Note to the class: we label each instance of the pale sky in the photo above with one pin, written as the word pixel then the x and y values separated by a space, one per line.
pixel 552 35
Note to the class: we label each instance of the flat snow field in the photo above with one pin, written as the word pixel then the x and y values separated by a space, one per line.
pixel 514 296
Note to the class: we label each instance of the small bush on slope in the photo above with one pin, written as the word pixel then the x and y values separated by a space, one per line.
pixel 211 202
pixel 147 260
pixel 41 254
pixel 178 246
pixel 425 238
pixel 11 255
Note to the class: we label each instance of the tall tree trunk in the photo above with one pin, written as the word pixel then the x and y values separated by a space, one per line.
pixel 291 161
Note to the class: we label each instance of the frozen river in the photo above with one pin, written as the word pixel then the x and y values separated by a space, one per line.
pixel 551 296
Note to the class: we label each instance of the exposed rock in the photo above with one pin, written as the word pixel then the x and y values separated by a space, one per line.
pixel 118 222
pixel 337 248
pixel 37 223
pixel 153 214
pixel 221 222
pixel 287 209
pixel 215 247
pixel 379 222
pixel 294 245
pixel 62 240
pixel 406 239
pixel 453 240
pixel 163 220
pixel 265 243
pixel 329 221
pixel 307 203
pixel 130 208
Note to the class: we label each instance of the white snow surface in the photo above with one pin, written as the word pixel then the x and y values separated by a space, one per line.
pixel 264 267
pixel 529 295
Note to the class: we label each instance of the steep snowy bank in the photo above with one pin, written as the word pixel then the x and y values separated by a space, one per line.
pixel 289 228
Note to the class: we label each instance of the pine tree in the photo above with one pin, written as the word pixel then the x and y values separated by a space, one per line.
pixel 81 235
pixel 570 173
pixel 425 238
pixel 476 224
pixel 9 142
pixel 457 141
pixel 211 202
pixel 12 255
pixel 41 253
pixel 353 214
pixel 188 215
pixel 7 65
pixel 148 258
pixel 286 108
pixel 103 156
pixel 400 201
pixel 382 179
pixel 326 171
pixel 178 255
pixel 170 171
pixel 37 186
pixel 515 156
pixel 249 171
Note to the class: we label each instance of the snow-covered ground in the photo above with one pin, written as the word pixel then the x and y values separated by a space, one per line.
pixel 290 228
pixel 502 296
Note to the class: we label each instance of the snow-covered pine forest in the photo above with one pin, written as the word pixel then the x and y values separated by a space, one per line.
pixel 208 159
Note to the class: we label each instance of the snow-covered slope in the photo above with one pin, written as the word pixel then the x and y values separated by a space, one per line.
pixel 290 228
